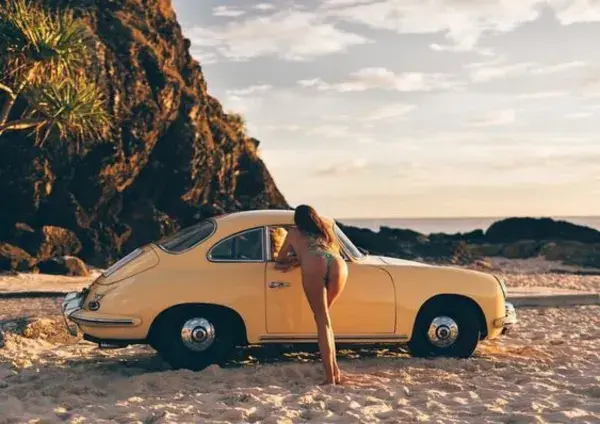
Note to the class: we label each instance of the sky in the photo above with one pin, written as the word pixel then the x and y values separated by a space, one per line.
pixel 413 108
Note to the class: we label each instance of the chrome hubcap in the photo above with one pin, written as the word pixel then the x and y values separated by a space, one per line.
pixel 443 331
pixel 197 334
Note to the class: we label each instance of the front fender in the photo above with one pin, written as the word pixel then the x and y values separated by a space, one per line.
pixel 416 285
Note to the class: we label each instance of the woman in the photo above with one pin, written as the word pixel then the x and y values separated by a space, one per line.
pixel 313 246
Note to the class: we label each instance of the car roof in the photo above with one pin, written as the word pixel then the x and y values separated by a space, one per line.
pixel 256 218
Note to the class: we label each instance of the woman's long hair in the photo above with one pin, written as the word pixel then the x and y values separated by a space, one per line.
pixel 309 222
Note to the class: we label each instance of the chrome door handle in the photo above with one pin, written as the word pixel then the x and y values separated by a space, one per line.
pixel 278 284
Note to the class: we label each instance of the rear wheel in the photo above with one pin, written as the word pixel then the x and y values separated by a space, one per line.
pixel 193 338
pixel 445 328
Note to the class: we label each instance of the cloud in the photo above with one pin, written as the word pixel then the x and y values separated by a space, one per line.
pixel 382 78
pixel 330 131
pixel 579 115
pixel 243 104
pixel 542 95
pixel 393 111
pixel 263 7
pixel 227 11
pixel 249 90
pixel 202 56
pixel 343 168
pixel 560 67
pixel 451 48
pixel 462 22
pixel 290 35
pixel 482 73
pixel 289 128
pixel 591 88
pixel 576 11
pixel 497 69
pixel 495 118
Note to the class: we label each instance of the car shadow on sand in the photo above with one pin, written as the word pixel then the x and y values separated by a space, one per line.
pixel 135 360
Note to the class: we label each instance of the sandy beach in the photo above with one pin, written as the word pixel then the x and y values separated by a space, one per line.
pixel 546 371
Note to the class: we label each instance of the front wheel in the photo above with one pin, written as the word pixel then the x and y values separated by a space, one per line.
pixel 449 329
pixel 193 339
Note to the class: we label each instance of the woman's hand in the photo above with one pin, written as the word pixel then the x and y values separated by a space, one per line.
pixel 288 265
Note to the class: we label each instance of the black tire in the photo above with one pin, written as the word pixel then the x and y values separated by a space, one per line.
pixel 168 341
pixel 464 316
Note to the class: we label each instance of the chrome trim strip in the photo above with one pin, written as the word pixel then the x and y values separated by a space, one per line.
pixel 362 337
pixel 267 243
pixel 211 259
pixel 71 303
pixel 107 321
pixel 131 256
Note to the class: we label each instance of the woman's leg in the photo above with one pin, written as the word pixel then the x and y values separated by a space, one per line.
pixel 338 274
pixel 314 288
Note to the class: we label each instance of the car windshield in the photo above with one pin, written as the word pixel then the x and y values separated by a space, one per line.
pixel 187 237
pixel 348 245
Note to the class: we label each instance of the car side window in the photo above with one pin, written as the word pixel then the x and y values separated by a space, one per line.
pixel 277 235
pixel 242 247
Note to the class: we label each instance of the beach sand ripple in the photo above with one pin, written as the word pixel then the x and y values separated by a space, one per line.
pixel 546 371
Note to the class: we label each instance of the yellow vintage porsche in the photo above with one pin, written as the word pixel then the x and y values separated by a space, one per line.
pixel 200 293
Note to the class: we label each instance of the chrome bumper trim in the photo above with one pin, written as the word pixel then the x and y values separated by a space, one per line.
pixel 71 303
pixel 509 319
pixel 103 321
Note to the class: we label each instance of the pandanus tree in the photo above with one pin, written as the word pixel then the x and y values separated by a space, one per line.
pixel 43 58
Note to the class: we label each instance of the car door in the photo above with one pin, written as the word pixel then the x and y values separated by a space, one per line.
pixel 366 306
pixel 239 274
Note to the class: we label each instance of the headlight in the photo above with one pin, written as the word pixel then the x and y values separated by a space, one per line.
pixel 122 262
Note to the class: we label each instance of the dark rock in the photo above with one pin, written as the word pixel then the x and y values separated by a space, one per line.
pixel 57 242
pixel 470 237
pixel 66 265
pixel 389 242
pixel 521 249
pixel 573 253
pixel 402 235
pixel 175 157
pixel 13 258
pixel 486 250
pixel 516 229
pixel 45 243
pixel 482 265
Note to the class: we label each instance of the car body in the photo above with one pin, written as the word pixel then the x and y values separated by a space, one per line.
pixel 213 286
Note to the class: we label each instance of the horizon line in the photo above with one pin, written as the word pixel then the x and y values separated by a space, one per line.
pixel 471 217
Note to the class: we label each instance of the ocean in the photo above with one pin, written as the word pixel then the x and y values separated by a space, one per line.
pixel 451 225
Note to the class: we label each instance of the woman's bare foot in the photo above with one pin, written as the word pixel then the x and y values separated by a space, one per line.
pixel 337 375
pixel 328 382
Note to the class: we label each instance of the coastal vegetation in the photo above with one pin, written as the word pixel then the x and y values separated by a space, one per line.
pixel 45 86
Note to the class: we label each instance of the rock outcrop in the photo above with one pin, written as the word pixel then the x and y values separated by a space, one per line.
pixel 176 155
pixel 514 238
pixel 516 229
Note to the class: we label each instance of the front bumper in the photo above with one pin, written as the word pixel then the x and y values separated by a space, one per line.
pixel 72 303
pixel 508 320
pixel 74 315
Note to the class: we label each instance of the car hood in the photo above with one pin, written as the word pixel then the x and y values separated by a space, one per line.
pixel 384 260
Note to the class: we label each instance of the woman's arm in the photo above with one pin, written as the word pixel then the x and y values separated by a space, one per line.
pixel 285 261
